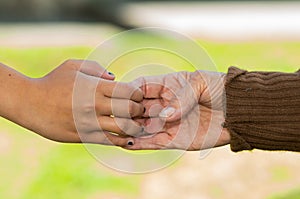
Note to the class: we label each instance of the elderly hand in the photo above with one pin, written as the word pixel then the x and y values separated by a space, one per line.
pixel 183 111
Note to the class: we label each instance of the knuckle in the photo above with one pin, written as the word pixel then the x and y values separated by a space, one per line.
pixel 137 94
pixel 139 82
pixel 82 107
pixel 131 108
pixel 129 127
pixel 121 124
pixel 73 63
pixel 99 107
pixel 134 129
pixel 102 87
pixel 88 108
pixel 70 61
pixel 123 89
pixel 130 88
pixel 135 109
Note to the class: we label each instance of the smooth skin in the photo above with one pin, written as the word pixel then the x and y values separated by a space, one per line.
pixel 184 111
pixel 49 107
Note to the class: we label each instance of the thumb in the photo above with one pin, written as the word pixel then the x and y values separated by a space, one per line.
pixel 92 68
pixel 180 105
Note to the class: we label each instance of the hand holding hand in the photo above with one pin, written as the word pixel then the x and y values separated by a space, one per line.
pixel 78 96
pixel 183 111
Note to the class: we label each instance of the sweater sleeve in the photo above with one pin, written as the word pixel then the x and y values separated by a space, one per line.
pixel 263 110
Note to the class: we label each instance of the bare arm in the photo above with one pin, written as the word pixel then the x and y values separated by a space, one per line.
pixel 49 107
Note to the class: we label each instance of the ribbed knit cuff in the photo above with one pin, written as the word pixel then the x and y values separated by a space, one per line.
pixel 263 110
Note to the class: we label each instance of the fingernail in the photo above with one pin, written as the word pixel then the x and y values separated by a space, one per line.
pixel 111 74
pixel 167 112
pixel 130 143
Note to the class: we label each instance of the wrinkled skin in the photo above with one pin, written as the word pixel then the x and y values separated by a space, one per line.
pixel 197 122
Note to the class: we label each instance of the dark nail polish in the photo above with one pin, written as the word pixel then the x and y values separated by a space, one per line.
pixel 111 74
pixel 130 143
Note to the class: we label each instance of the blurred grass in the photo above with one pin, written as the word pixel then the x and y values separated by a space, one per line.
pixel 36 62
pixel 32 167
pixel 280 173
pixel 293 194
pixel 69 166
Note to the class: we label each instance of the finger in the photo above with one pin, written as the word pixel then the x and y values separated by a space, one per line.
pixel 108 75
pixel 151 86
pixel 152 107
pixel 120 108
pixel 126 108
pixel 91 68
pixel 106 138
pixel 117 140
pixel 154 125
pixel 121 126
pixel 120 90
pixel 156 86
pixel 142 121
pixel 157 141
pixel 181 104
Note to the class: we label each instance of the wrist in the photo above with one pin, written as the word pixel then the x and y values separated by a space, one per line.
pixel 16 90
pixel 225 137
pixel 197 82
pixel 17 99
pixel 28 101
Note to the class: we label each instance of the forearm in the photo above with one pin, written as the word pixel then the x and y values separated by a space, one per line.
pixel 13 88
pixel 263 110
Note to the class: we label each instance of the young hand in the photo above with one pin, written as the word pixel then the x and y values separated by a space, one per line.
pixel 73 103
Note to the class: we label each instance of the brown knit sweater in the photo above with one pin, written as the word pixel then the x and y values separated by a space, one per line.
pixel 263 110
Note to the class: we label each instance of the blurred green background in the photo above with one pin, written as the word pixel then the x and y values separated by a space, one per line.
pixel 33 167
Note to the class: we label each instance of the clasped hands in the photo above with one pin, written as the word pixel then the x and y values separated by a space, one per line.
pixel 80 102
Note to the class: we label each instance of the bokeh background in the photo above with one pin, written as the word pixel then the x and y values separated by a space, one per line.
pixel 38 35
